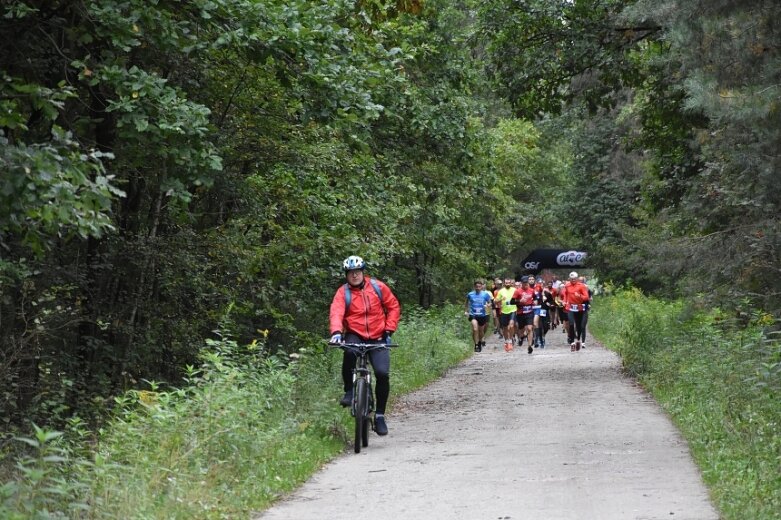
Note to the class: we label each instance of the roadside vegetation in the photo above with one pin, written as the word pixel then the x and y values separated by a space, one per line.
pixel 245 428
pixel 719 378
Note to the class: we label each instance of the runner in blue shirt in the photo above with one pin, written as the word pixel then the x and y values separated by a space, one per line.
pixel 478 305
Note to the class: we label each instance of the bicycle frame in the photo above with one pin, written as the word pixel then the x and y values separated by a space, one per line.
pixel 363 398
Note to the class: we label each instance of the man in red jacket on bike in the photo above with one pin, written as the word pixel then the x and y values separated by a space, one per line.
pixel 369 313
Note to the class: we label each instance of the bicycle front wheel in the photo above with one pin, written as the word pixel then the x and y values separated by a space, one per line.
pixel 361 418
pixel 367 423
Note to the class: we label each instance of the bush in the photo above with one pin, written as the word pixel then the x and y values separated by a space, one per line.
pixel 41 487
pixel 721 383
pixel 246 428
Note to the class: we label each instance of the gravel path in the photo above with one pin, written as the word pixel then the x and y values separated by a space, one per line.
pixel 547 436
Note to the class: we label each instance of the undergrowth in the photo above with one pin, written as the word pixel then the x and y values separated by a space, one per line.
pixel 246 427
pixel 719 380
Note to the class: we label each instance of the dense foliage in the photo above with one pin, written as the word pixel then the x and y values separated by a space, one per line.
pixel 170 169
pixel 245 428
pixel 673 113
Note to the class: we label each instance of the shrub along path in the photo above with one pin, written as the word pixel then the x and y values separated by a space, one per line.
pixel 551 435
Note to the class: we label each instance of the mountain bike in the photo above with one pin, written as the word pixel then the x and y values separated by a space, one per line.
pixel 363 397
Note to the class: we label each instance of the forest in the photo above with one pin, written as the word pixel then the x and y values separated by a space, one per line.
pixel 176 172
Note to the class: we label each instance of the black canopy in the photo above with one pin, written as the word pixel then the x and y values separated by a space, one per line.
pixel 540 259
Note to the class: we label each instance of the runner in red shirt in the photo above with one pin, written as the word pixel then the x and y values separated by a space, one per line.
pixel 524 299
pixel 576 298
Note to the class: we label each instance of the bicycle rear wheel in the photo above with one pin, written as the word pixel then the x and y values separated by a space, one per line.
pixel 361 418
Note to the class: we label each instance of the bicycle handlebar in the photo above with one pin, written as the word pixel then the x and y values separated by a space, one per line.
pixel 362 346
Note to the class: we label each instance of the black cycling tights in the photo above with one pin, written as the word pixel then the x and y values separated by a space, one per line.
pixel 380 360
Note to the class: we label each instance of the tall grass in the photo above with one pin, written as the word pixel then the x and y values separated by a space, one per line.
pixel 245 428
pixel 720 381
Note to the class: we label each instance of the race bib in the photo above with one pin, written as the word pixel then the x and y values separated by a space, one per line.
pixel 574 307
pixel 543 312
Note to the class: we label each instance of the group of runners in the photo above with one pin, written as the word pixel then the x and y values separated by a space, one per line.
pixel 524 310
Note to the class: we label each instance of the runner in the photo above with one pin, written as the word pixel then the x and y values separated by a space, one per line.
pixel 478 303
pixel 586 310
pixel 507 315
pixel 575 299
pixel 543 314
pixel 554 309
pixel 540 313
pixel 497 308
pixel 524 298
pixel 561 308
pixel 519 330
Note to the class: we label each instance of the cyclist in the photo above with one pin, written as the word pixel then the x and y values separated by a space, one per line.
pixel 478 302
pixel 371 317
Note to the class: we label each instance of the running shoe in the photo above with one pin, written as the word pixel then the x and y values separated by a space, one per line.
pixel 530 349
pixel 508 347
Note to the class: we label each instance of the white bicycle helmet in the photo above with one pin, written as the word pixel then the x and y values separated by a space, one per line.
pixel 353 262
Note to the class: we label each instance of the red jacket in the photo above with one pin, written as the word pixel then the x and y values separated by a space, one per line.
pixel 576 293
pixel 367 316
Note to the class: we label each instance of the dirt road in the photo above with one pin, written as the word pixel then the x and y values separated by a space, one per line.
pixel 551 435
